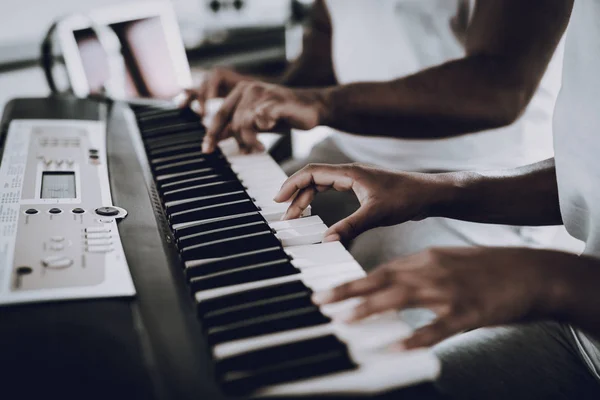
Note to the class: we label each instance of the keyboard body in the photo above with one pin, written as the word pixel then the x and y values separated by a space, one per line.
pixel 150 346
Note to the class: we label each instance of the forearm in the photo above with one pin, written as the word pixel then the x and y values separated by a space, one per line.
pixel 314 66
pixel 522 196
pixel 573 296
pixel 455 98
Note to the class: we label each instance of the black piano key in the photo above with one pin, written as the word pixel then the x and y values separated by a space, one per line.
pixel 244 373
pixel 285 321
pixel 158 115
pixel 230 246
pixel 220 234
pixel 182 156
pixel 208 189
pixel 232 220
pixel 169 129
pixel 148 112
pixel 174 207
pixel 197 180
pixel 213 211
pixel 250 296
pixel 252 273
pixel 165 179
pixel 191 138
pixel 174 149
pixel 189 165
pixel 256 309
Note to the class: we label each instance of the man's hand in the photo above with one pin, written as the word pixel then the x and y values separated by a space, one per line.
pixel 467 288
pixel 386 197
pixel 254 107
pixel 217 83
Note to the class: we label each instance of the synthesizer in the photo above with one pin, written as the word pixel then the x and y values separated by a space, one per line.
pixel 223 303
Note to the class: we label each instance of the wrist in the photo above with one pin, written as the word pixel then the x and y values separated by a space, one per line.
pixel 449 191
pixel 325 99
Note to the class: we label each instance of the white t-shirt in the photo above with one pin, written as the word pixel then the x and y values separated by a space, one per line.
pixel 577 141
pixel 382 40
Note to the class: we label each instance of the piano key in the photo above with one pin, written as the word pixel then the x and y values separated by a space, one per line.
pixel 213 211
pixel 223 233
pixel 296 223
pixel 237 276
pixel 172 128
pixel 165 179
pixel 181 230
pixel 256 309
pixel 245 373
pixel 197 180
pixel 174 149
pixel 320 254
pixel 188 165
pixel 195 202
pixel 287 320
pixel 208 266
pixel 208 189
pixel 159 113
pixel 229 246
pixel 182 156
pixel 302 235
pixel 175 139
pixel 314 278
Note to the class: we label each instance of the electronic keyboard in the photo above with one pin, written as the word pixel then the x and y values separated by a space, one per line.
pixel 223 285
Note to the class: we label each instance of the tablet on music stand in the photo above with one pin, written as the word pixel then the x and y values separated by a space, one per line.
pixel 151 55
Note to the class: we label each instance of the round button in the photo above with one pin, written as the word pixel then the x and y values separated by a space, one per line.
pixel 94 156
pixel 78 210
pixel 93 151
pixel 31 211
pixel 107 211
pixel 55 210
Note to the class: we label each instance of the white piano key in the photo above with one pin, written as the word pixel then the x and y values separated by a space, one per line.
pixel 302 235
pixel 319 254
pixel 296 223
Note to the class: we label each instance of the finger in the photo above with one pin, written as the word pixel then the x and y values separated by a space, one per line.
pixel 377 302
pixel 295 116
pixel 197 105
pixel 350 227
pixel 300 203
pixel 184 98
pixel 263 120
pixel 221 119
pixel 433 333
pixel 315 174
pixel 376 280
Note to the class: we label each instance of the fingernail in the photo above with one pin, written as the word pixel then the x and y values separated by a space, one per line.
pixel 322 297
pixel 196 107
pixel 346 316
pixel 180 99
pixel 331 238
pixel 398 346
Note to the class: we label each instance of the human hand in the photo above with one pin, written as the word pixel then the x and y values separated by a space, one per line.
pixel 466 287
pixel 217 83
pixel 254 107
pixel 386 197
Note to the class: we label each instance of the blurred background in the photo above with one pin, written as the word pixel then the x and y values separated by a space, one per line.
pixel 256 36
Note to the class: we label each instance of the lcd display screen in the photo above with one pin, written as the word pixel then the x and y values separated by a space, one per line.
pixel 58 185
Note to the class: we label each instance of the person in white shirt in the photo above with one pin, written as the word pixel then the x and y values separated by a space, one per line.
pixel 416 85
pixel 532 316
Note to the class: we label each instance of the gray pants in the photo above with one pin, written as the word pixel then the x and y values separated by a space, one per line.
pixel 537 361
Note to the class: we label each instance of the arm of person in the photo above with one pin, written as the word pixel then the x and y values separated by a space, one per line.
pixel 508 47
pixel 523 196
pixel 312 68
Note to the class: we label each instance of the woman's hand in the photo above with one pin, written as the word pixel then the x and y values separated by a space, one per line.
pixel 386 197
pixel 466 287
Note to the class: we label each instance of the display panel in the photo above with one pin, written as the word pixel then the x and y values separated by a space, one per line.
pixel 58 185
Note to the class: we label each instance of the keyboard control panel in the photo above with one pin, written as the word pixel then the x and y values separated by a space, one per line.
pixel 58 226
